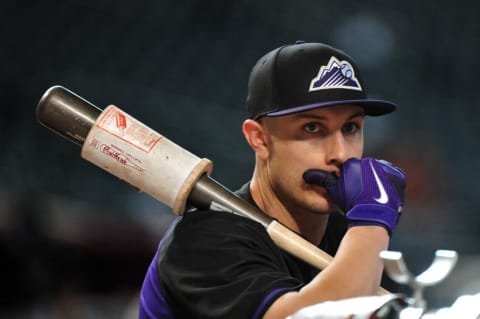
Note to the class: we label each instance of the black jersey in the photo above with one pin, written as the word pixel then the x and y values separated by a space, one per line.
pixel 213 264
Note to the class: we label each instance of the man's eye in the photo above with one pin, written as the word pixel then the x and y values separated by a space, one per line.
pixel 312 127
pixel 351 128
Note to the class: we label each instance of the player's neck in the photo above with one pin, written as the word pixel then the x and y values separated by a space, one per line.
pixel 309 225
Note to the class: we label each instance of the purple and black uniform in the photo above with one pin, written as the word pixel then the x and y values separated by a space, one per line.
pixel 213 264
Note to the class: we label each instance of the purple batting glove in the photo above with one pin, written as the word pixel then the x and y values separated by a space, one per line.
pixel 368 191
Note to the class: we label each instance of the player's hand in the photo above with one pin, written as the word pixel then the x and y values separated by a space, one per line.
pixel 368 191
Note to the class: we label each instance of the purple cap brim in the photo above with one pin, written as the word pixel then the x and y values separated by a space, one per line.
pixel 372 107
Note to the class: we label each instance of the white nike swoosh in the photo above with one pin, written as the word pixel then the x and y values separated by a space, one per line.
pixel 383 199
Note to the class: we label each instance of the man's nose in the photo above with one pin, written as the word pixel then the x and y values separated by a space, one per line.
pixel 336 149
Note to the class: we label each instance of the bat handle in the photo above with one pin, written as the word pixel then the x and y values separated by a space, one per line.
pixel 303 249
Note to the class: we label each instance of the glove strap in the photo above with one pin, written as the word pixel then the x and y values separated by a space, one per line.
pixel 371 214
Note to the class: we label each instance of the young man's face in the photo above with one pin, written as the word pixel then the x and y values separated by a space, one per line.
pixel 323 138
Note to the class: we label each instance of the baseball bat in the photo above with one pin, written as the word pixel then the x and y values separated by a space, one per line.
pixel 118 143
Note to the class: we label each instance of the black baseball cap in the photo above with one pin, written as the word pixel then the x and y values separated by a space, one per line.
pixel 304 76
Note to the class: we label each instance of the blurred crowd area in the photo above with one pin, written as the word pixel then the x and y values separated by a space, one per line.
pixel 75 242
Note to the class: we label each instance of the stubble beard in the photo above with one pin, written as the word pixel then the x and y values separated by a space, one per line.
pixel 308 199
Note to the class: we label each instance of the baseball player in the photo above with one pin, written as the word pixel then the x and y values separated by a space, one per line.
pixel 307 105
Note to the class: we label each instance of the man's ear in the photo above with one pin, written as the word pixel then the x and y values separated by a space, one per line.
pixel 255 135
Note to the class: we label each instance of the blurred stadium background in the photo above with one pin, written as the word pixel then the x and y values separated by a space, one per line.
pixel 75 242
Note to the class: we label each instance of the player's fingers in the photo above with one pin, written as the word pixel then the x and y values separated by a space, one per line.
pixel 319 177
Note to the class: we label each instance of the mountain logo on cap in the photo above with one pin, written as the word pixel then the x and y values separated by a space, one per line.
pixel 335 75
